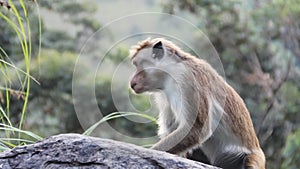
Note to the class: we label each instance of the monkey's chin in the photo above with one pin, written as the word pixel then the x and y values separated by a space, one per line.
pixel 146 91
pixel 138 90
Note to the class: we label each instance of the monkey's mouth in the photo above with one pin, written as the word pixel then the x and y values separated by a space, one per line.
pixel 137 88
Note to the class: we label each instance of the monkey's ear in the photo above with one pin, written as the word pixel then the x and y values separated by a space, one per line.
pixel 158 50
pixel 158 45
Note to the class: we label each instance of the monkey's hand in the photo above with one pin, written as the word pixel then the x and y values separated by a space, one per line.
pixel 160 147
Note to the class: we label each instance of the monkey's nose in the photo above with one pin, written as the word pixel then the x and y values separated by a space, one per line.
pixel 132 85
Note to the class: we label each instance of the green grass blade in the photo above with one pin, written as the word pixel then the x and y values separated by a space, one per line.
pixel 26 58
pixel 19 33
pixel 114 116
pixel 5 116
pixel 20 70
pixel 15 27
pixel 8 73
pixel 3 147
pixel 7 143
pixel 94 126
pixel 16 139
pixel 23 40
pixel 28 133
pixel 147 145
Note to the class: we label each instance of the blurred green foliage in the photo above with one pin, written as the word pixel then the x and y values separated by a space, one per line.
pixel 291 151
pixel 51 100
pixel 58 40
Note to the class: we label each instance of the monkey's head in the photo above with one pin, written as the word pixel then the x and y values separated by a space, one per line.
pixel 152 64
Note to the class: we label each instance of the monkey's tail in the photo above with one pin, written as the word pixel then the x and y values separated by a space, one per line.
pixel 256 160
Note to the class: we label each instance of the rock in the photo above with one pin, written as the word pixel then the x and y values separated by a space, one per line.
pixel 72 151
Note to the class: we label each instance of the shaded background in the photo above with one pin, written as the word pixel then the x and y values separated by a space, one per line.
pixel 257 41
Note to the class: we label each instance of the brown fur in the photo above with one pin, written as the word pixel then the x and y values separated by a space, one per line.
pixel 202 86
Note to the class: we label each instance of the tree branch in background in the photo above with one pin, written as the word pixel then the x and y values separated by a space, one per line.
pixel 272 101
pixel 258 76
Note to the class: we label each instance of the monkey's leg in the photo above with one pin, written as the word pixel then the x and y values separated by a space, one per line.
pixel 255 160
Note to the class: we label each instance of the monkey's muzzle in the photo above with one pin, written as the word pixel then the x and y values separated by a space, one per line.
pixel 136 87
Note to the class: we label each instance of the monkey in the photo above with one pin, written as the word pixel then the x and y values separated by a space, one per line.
pixel 198 110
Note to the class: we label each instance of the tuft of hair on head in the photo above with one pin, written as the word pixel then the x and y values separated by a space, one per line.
pixel 140 45
pixel 149 42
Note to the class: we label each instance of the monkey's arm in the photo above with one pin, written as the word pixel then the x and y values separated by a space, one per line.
pixel 193 130
pixel 179 141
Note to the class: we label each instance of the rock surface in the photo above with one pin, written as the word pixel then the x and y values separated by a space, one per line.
pixel 72 151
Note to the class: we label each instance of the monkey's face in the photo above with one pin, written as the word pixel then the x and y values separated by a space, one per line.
pixel 149 75
pixel 149 79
